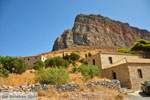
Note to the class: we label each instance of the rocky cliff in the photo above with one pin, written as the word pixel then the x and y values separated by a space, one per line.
pixel 96 30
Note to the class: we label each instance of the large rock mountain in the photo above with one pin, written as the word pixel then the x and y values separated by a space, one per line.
pixel 96 30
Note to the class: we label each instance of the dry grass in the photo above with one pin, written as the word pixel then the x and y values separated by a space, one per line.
pixel 102 92
pixel 83 88
pixel 52 94
pixel 16 79
pixel 104 89
pixel 49 93
pixel 76 78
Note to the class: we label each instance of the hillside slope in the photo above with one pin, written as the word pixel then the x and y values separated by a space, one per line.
pixel 96 30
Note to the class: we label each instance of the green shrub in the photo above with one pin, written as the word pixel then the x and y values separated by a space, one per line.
pixel 83 61
pixel 56 62
pixel 74 69
pixel 54 76
pixel 74 63
pixel 38 65
pixel 72 57
pixel 79 52
pixel 88 72
pixel 56 52
pixel 14 64
pixel 3 72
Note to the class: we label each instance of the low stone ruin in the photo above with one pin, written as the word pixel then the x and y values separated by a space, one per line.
pixel 114 84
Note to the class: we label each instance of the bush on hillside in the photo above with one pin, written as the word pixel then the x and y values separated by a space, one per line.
pixel 3 72
pixel 14 64
pixel 56 62
pixel 38 65
pixel 88 72
pixel 54 76
pixel 72 57
pixel 83 61
pixel 74 69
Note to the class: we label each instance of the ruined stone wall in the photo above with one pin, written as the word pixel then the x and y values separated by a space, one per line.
pixel 114 84
pixel 30 61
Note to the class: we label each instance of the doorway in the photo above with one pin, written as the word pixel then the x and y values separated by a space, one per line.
pixel 114 75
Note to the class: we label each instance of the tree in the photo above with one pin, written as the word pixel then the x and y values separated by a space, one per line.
pixel 14 65
pixel 38 65
pixel 56 62
pixel 142 46
pixel 74 56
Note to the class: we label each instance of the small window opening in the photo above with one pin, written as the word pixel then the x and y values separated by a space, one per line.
pixel 140 73
pixel 110 60
pixel 93 61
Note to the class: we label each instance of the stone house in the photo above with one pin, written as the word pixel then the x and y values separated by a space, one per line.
pixel 30 60
pixel 129 69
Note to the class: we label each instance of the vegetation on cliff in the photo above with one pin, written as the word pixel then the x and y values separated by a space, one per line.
pixel 141 46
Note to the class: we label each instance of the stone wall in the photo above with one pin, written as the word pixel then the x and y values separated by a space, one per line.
pixel 116 57
pixel 134 77
pixel 122 74
pixel 97 61
pixel 102 59
pixel 115 84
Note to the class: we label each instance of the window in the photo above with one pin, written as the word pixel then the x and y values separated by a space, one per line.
pixel 114 75
pixel 110 60
pixel 140 73
pixel 93 61
pixel 28 59
pixel 35 57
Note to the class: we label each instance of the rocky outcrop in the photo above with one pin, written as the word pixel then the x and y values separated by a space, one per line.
pixel 96 30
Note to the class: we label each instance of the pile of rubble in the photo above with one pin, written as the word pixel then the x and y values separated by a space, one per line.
pixel 115 84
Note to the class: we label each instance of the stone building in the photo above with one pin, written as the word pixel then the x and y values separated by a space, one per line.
pixel 30 60
pixel 131 70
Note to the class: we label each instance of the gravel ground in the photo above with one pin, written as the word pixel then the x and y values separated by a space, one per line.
pixel 138 95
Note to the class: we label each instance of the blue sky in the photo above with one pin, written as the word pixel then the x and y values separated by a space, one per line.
pixel 29 27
